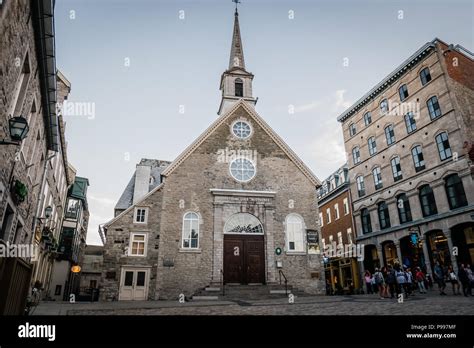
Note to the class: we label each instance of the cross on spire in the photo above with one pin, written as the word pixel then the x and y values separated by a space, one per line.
pixel 236 51
pixel 236 3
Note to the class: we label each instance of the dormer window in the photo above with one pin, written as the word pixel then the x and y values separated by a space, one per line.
pixel 239 88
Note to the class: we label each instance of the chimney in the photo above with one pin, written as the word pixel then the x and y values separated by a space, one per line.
pixel 142 181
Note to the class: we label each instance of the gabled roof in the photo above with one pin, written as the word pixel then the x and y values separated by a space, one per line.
pixel 261 122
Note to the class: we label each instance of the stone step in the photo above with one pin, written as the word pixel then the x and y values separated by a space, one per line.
pixel 211 289
pixel 205 298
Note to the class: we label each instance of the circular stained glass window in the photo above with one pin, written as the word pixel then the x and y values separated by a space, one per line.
pixel 242 169
pixel 241 129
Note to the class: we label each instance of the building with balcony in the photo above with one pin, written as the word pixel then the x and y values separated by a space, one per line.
pixel 337 232
pixel 410 140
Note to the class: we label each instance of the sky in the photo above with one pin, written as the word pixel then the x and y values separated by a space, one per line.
pixel 145 73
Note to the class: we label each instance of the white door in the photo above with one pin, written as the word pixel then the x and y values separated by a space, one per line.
pixel 134 284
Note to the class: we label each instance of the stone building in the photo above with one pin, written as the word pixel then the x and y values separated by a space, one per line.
pixel 337 233
pixel 28 89
pixel 55 183
pixel 92 264
pixel 410 140
pixel 237 206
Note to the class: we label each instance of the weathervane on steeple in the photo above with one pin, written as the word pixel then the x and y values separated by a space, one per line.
pixel 236 3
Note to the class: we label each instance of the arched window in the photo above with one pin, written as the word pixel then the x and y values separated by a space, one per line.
pixel 367 118
pixel 294 233
pixel 360 185
pixel 410 122
pixel 425 76
pixel 377 178
pixel 433 107
pixel 239 88
pixel 403 92
pixel 444 148
pixel 396 168
pixel 384 217
pixel 427 201
pixel 390 134
pixel 244 223
pixel 372 146
pixel 190 231
pixel 352 129
pixel 455 192
pixel 403 206
pixel 356 154
pixel 384 106
pixel 418 158
pixel 365 219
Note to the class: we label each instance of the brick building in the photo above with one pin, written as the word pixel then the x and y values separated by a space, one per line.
pixel 237 206
pixel 337 233
pixel 411 144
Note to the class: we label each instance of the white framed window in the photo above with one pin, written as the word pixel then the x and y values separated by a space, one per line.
pixel 295 233
pixel 190 238
pixel 321 220
pixel 138 242
pixel 241 129
pixel 242 169
pixel 328 215
pixel 331 239
pixel 336 210
pixel 345 203
pixel 141 215
pixel 349 236
pixel 339 238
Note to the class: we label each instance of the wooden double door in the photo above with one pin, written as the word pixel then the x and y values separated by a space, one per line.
pixel 244 259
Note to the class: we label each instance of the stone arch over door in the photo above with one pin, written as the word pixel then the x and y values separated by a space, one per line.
pixel 412 252
pixel 389 252
pixel 462 236
pixel 371 258
pixel 244 250
pixel 438 248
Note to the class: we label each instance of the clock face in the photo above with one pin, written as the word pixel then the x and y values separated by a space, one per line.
pixel 242 169
pixel 241 130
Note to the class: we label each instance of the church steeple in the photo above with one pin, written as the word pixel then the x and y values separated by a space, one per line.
pixel 236 50
pixel 236 81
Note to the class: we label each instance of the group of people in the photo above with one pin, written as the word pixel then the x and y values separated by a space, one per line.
pixel 395 280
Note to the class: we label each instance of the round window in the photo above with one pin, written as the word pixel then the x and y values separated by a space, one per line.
pixel 242 169
pixel 241 129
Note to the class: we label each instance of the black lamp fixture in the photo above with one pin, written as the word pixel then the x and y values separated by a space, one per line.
pixel 18 127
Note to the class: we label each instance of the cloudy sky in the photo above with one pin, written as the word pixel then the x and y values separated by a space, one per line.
pixel 136 64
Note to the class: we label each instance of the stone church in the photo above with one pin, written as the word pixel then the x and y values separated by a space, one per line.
pixel 237 206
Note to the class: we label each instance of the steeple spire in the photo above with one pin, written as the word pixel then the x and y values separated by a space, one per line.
pixel 236 50
pixel 236 81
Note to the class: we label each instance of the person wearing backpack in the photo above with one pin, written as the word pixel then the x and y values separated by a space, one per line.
pixel 391 281
pixel 401 280
pixel 379 282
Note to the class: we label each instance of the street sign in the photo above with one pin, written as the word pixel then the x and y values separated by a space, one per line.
pixel 278 251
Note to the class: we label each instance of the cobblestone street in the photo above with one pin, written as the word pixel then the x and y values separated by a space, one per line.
pixel 431 304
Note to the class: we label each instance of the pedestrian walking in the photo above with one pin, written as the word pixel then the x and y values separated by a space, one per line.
pixel 470 276
pixel 379 282
pixel 464 279
pixel 409 281
pixel 401 280
pixel 391 281
pixel 439 278
pixel 385 283
pixel 368 282
pixel 420 280
pixel 453 279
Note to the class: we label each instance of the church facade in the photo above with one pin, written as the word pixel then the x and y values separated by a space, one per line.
pixel 237 206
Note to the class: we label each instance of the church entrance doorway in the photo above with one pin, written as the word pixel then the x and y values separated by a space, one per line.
pixel 244 253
